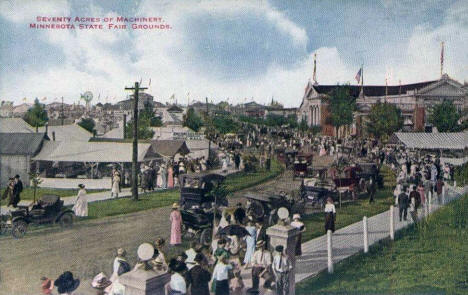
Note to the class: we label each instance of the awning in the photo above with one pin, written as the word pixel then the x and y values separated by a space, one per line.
pixel 435 141
pixel 98 152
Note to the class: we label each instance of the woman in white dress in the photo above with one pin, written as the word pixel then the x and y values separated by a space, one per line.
pixel 81 204
pixel 115 184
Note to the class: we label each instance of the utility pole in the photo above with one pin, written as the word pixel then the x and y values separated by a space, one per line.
pixel 135 89
pixel 209 140
pixel 62 114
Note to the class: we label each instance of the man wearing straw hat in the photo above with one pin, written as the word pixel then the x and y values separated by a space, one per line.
pixel 261 262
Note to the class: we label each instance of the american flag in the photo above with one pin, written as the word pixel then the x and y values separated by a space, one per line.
pixel 358 75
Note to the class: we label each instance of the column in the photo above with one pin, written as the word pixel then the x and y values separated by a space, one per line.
pixel 285 235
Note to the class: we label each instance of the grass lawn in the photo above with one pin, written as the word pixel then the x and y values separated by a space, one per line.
pixel 233 182
pixel 430 258
pixel 28 192
pixel 353 212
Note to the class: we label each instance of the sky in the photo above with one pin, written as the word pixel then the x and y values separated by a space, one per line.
pixel 227 50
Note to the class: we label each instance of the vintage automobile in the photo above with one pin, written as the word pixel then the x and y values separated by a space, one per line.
pixel 197 223
pixel 370 170
pixel 265 206
pixel 200 190
pixel 48 209
pixel 300 169
pixel 315 191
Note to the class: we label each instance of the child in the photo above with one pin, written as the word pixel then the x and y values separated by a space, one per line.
pixel 237 284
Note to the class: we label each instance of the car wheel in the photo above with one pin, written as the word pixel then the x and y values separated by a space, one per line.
pixel 66 220
pixel 3 228
pixel 19 229
pixel 205 237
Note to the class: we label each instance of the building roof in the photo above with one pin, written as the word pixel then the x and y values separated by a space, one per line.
pixel 91 151
pixel 421 140
pixel 169 148
pixel 70 132
pixel 114 133
pixel 20 143
pixel 373 90
pixel 175 109
pixel 15 125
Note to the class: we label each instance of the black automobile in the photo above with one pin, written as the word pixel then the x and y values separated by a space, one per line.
pixel 315 191
pixel 201 191
pixel 197 224
pixel 265 207
pixel 48 209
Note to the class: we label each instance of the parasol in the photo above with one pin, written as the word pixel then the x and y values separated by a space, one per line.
pixel 234 230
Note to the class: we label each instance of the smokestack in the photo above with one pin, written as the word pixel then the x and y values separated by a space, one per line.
pixel 53 135
pixel 124 124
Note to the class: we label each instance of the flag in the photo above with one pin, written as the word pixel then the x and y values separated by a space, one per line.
pixel 358 75
pixel 314 77
pixel 442 59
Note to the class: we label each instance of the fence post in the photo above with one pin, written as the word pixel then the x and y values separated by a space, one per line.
pixel 430 203
pixel 392 225
pixel 366 240
pixel 330 251
pixel 443 195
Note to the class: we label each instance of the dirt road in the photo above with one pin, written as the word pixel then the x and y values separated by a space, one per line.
pixel 88 248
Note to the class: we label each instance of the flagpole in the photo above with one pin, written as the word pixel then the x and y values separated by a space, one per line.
pixel 362 79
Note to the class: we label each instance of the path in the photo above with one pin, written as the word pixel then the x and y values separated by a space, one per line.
pixel 348 241
pixel 101 196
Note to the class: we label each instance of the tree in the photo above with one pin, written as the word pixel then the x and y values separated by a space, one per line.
pixel 341 105
pixel 37 115
pixel 303 125
pixel 384 120
pixel 88 124
pixel 445 117
pixel 292 121
pixel 225 124
pixel 192 120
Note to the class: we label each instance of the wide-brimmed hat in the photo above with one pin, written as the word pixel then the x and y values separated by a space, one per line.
pixel 100 281
pixel 279 248
pixel 66 283
pixel 121 252
pixel 175 206
pixel 296 216
pixel 81 185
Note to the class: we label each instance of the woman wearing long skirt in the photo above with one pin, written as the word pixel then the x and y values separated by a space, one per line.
pixel 170 176
pixel 250 241
pixel 297 223
pixel 81 204
pixel 330 215
pixel 163 176
pixel 176 225
pixel 115 184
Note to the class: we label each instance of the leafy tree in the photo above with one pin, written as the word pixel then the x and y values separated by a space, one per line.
pixel 144 124
pixel 342 105
pixel 88 124
pixel 225 124
pixel 303 125
pixel 192 120
pixel 445 117
pixel 144 129
pixel 292 121
pixel 36 115
pixel 156 122
pixel 275 120
pixel 384 120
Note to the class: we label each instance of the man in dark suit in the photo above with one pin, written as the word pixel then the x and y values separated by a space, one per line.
pixel 403 203
pixel 199 277
pixel 17 189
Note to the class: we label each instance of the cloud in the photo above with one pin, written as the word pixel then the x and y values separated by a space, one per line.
pixel 18 11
